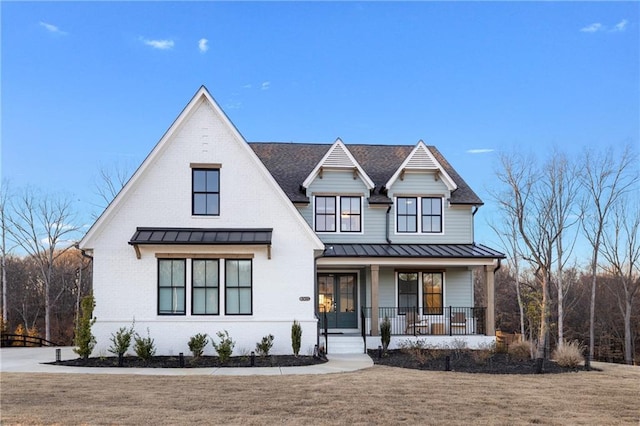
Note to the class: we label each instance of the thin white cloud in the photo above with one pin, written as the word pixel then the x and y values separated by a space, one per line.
pixel 203 45
pixel 51 28
pixel 621 26
pixel 246 86
pixel 265 85
pixel 480 150
pixel 595 27
pixel 158 44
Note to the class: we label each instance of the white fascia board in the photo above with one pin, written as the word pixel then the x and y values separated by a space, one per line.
pixel 338 144
pixel 451 185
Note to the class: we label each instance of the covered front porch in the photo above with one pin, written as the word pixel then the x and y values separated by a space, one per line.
pixel 423 295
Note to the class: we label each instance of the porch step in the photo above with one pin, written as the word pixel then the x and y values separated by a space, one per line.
pixel 344 344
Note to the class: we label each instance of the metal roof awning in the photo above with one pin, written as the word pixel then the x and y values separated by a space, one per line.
pixel 409 252
pixel 201 236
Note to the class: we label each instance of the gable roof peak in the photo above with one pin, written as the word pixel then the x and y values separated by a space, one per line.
pixel 422 159
pixel 338 157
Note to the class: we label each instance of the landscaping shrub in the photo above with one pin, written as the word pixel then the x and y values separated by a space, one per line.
pixel 296 337
pixel 121 340
pixel 385 333
pixel 197 344
pixel 264 346
pixel 569 355
pixel 419 350
pixel 483 353
pixel 520 351
pixel 144 346
pixel 84 340
pixel 225 347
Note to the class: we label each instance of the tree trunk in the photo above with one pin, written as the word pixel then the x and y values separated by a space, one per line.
pixel 544 318
pixel 592 309
pixel 628 344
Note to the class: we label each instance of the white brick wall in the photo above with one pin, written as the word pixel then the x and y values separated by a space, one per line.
pixel 160 195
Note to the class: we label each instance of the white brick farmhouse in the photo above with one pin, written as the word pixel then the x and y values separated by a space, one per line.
pixel 213 233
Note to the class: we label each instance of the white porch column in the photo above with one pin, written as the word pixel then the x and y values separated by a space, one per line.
pixel 375 269
pixel 491 300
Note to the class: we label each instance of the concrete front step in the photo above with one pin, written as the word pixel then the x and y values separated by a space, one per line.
pixel 340 344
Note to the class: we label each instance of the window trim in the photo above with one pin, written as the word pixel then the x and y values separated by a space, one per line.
pixel 419 214
pixel 350 197
pixel 324 215
pixel 195 170
pixel 430 310
pixel 216 287
pixel 338 213
pixel 416 224
pixel 184 287
pixel 417 292
pixel 226 288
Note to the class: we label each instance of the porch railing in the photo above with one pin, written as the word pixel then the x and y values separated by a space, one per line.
pixel 446 321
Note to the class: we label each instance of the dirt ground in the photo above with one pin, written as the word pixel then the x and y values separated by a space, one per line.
pixel 378 395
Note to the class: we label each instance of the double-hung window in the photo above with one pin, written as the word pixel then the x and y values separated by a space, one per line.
pixel 205 287
pixel 206 192
pixel 428 209
pixel 171 286
pixel 238 285
pixel 326 213
pixel 430 293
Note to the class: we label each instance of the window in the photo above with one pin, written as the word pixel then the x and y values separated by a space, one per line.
pixel 350 214
pixel 325 214
pixel 238 283
pixel 432 293
pixel 407 214
pixel 205 287
pixel 206 192
pixel 429 209
pixel 432 215
pixel 171 286
pixel 407 292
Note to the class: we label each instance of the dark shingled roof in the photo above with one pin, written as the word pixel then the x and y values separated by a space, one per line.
pixel 208 236
pixel 291 163
pixel 464 251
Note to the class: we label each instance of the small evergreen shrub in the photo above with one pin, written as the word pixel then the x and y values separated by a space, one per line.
pixel 197 344
pixel 224 348
pixel 121 340
pixel 84 340
pixel 385 333
pixel 520 351
pixel 264 346
pixel 569 355
pixel 144 346
pixel 296 337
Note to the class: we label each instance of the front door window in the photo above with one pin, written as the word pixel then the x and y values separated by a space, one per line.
pixel 337 299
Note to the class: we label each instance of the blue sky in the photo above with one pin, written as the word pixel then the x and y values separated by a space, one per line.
pixel 86 84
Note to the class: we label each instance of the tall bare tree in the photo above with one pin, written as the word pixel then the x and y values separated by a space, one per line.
pixel 605 178
pixel 621 250
pixel 42 225
pixel 531 205
pixel 4 204
pixel 110 180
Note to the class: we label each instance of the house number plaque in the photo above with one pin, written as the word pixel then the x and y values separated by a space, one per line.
pixel 304 298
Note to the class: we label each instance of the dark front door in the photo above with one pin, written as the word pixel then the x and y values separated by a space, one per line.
pixel 337 298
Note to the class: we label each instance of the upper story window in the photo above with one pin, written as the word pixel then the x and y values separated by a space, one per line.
pixel 428 209
pixel 206 192
pixel 326 213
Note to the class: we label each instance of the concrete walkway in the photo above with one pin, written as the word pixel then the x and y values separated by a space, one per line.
pixel 29 360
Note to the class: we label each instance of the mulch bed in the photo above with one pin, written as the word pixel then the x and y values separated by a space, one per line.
pixel 466 361
pixel 190 362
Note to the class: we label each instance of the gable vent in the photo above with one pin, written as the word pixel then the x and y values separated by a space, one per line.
pixel 421 159
pixel 338 158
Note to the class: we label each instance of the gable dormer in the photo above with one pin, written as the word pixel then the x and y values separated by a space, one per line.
pixel 422 160
pixel 339 158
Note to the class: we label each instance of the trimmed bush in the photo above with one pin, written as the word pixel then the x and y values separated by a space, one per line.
pixel 385 333
pixel 569 355
pixel 225 347
pixel 264 346
pixel 197 344
pixel 84 340
pixel 296 337
pixel 144 346
pixel 121 340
